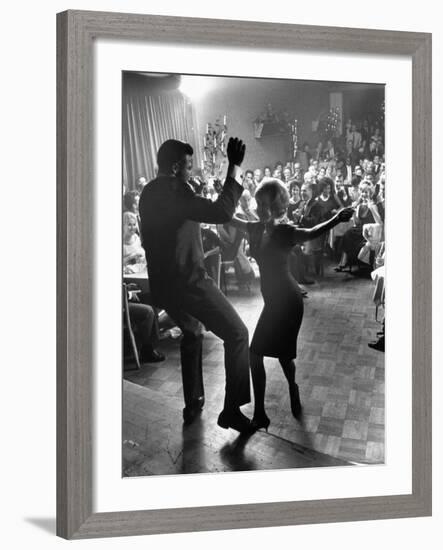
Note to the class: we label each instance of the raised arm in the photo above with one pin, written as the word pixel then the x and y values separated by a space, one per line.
pixel 220 211
pixel 302 234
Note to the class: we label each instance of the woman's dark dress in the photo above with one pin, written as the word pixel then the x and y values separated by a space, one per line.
pixel 277 329
pixel 353 239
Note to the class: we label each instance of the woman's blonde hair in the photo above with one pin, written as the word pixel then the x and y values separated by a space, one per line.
pixel 363 186
pixel 278 195
pixel 129 217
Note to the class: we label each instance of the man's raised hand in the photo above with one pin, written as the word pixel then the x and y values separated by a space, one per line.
pixel 236 151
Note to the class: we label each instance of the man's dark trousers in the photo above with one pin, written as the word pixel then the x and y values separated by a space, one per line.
pixel 204 303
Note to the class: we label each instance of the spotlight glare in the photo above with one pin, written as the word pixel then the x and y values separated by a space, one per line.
pixel 194 87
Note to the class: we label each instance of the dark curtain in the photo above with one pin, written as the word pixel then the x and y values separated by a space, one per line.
pixel 149 120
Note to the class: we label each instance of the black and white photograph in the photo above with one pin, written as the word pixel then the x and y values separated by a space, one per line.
pixel 253 283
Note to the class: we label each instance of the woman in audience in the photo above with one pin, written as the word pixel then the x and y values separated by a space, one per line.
pixel 133 253
pixel 326 199
pixel 366 212
pixel 294 210
pixel 271 244
pixel 267 172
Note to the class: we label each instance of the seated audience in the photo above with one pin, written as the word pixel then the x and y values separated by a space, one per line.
pixel 133 252
pixel 353 240
pixel 144 324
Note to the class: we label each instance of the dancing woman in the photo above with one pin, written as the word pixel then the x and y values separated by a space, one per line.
pixel 276 333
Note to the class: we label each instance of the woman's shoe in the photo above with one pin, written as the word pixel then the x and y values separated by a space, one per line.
pixel 260 421
pixel 294 395
pixel 235 420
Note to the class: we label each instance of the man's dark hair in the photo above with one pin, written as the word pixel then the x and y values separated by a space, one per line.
pixel 170 152
pixel 324 182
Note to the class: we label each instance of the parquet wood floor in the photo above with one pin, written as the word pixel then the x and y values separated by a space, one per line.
pixel 341 384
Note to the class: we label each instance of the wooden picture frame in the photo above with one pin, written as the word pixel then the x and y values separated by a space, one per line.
pixel 76 32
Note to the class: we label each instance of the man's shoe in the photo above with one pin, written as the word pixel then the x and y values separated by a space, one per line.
pixel 190 412
pixel 235 420
pixel 152 356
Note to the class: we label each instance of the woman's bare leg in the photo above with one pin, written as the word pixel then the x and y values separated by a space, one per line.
pixel 258 373
pixel 288 367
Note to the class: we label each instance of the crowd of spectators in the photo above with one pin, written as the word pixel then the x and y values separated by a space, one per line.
pixel 337 172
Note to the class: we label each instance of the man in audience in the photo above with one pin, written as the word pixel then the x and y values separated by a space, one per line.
pixel 297 177
pixel 171 214
pixel 287 175
pixel 354 136
pixel 358 171
pixel 258 176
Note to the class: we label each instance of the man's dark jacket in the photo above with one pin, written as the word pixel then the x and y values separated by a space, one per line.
pixel 312 214
pixel 171 214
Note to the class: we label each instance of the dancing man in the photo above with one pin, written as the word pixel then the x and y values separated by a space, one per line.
pixel 171 214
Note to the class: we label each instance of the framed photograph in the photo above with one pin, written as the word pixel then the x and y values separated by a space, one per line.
pixel 244 305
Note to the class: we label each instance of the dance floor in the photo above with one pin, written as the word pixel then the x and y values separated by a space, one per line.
pixel 341 384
